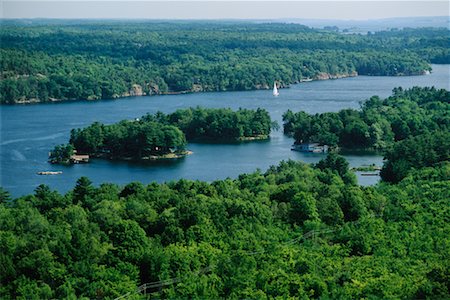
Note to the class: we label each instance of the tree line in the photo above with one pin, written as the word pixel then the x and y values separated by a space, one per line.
pixel 218 123
pixel 50 62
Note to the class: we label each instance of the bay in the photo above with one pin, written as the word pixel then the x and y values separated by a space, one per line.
pixel 29 132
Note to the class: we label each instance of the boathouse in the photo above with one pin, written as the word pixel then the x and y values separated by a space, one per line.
pixel 310 147
pixel 79 158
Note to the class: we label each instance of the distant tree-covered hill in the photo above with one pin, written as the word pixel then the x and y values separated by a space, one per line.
pixel 103 60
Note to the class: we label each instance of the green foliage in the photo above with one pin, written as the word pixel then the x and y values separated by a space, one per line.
pixel 82 191
pixel 61 154
pixel 128 139
pixel 160 134
pixel 424 150
pixel 294 231
pixel 379 123
pixel 5 197
pixel 217 124
pixel 337 163
pixel 109 59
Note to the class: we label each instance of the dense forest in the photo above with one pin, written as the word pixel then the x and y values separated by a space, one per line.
pixel 61 154
pixel 220 124
pixel 158 135
pixel 424 150
pixel 128 139
pixel 379 123
pixel 294 231
pixel 92 60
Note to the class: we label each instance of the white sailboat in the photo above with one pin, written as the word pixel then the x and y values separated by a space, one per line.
pixel 275 90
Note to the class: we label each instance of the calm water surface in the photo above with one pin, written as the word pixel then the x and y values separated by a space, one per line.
pixel 28 132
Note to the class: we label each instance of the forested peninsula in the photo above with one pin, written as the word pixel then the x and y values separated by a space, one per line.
pixel 164 136
pixel 411 128
pixel 378 124
pixel 75 60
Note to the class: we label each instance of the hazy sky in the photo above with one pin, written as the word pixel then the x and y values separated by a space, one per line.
pixel 357 10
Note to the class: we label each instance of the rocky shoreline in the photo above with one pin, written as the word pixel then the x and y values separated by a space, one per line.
pixel 137 90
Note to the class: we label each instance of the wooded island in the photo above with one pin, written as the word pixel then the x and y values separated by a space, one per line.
pixel 164 136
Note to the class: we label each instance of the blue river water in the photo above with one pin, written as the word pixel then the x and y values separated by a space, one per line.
pixel 29 132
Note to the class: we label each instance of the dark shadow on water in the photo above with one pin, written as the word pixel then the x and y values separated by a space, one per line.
pixel 229 142
pixel 141 163
pixel 61 166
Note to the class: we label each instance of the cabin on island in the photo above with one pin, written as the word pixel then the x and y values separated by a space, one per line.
pixel 164 149
pixel 79 158
pixel 310 147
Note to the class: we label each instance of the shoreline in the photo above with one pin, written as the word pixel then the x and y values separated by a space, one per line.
pixel 319 77
pixel 146 158
pixel 168 156
pixel 229 141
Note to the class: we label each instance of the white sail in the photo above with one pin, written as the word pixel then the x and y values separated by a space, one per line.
pixel 275 90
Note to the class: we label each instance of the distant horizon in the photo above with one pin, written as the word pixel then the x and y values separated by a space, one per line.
pixel 223 19
pixel 223 10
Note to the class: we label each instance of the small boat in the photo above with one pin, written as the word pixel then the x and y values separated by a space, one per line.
pixel 370 174
pixel 49 172
pixel 275 90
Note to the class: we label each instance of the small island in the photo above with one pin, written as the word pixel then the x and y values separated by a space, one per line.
pixel 61 154
pixel 162 136
pixel 130 140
